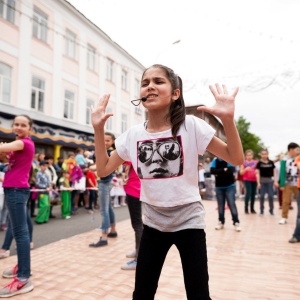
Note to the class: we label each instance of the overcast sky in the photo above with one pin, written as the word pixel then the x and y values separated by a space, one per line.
pixel 251 44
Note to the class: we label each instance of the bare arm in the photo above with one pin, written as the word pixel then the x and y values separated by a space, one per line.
pixel 104 164
pixel 12 146
pixel 257 173
pixel 275 178
pixel 232 152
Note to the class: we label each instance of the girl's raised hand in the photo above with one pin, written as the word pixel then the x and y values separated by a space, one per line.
pixel 225 103
pixel 99 115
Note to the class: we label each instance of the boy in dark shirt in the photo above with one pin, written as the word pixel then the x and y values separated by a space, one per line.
pixel 225 190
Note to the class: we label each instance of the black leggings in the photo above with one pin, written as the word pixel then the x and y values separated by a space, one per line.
pixel 191 244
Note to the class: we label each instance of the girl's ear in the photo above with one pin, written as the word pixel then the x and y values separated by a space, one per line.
pixel 176 94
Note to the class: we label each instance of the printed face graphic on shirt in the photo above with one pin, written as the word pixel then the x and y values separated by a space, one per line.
pixel 292 172
pixel 160 158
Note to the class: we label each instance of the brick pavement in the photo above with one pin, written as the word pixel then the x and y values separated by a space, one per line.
pixel 257 263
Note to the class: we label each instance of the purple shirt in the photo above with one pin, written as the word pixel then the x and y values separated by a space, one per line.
pixel 17 175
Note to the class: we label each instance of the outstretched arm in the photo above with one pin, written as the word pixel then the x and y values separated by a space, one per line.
pixel 104 164
pixel 232 152
pixel 12 146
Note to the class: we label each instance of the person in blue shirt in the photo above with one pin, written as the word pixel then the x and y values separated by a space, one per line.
pixel 225 191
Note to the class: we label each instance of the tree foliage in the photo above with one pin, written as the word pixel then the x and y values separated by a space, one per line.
pixel 249 139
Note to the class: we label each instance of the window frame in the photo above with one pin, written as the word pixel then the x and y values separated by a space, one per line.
pixel 40 24
pixel 38 91
pixel 69 114
pixel 8 10
pixel 109 70
pixel 124 80
pixel 137 87
pixel 70 44
pixel 124 122
pixel 88 115
pixel 91 57
pixel 5 78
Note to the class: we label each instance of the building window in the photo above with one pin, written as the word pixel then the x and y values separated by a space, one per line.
pixel 109 124
pixel 5 83
pixel 109 70
pixel 124 80
pixel 136 88
pixel 89 104
pixel 69 105
pixel 37 94
pixel 123 123
pixel 8 10
pixel 91 57
pixel 40 25
pixel 70 44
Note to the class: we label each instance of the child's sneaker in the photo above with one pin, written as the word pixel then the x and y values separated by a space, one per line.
pixel 237 227
pixel 131 254
pixel 131 265
pixel 100 243
pixel 16 287
pixel 294 240
pixel 219 226
pixel 10 273
pixel 282 221
pixel 112 234
pixel 4 254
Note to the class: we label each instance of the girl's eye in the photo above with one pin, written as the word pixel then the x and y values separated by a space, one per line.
pixel 159 82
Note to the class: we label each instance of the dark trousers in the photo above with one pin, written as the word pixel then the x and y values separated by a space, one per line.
pixel 250 187
pixel 135 212
pixel 228 194
pixel 92 198
pixel 191 244
pixel 267 188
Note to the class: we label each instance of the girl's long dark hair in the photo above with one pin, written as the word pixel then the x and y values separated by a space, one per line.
pixel 176 113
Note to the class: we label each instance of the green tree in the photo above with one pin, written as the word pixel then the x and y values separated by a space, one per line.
pixel 249 139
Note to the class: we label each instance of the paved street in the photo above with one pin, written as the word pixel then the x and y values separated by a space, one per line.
pixel 255 264
pixel 58 228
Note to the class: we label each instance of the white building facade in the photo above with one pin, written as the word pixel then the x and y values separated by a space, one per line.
pixel 54 65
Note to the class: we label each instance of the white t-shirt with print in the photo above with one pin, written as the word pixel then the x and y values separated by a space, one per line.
pixel 168 169
pixel 291 176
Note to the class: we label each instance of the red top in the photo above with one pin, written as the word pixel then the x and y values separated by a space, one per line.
pixel 90 176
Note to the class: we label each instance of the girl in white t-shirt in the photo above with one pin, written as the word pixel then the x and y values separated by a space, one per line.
pixel 164 153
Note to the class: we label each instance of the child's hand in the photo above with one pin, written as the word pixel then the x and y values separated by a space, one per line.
pixel 99 116
pixel 224 106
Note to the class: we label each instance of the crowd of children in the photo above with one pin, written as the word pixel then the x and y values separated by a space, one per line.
pixel 256 179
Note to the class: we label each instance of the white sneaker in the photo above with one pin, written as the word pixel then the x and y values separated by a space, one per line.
pixel 219 226
pixel 117 205
pixel 131 254
pixel 131 265
pixel 4 254
pixel 282 221
pixel 237 227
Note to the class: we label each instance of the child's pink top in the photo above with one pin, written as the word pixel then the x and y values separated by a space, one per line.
pixel 133 185
pixel 17 175
pixel 249 175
